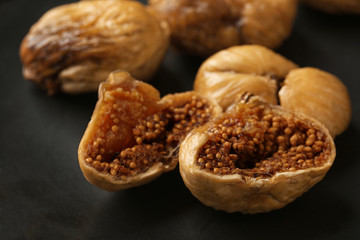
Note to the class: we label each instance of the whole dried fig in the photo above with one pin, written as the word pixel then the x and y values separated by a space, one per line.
pixel 255 157
pixel 237 69
pixel 335 6
pixel 318 94
pixel 74 47
pixel 134 136
pixel 204 27
pixel 256 69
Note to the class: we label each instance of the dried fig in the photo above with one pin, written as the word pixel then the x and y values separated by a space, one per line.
pixel 255 157
pixel 256 69
pixel 204 27
pixel 335 6
pixel 133 136
pixel 318 94
pixel 74 47
pixel 237 69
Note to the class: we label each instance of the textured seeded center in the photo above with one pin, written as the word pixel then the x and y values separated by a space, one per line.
pixel 156 138
pixel 259 142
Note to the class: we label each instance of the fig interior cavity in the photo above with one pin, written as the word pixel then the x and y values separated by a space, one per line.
pixel 154 138
pixel 260 142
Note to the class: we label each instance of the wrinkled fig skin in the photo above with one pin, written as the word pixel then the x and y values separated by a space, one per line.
pixel 250 68
pixel 113 153
pixel 327 99
pixel 74 47
pixel 207 26
pixel 245 193
pixel 335 6
pixel 258 70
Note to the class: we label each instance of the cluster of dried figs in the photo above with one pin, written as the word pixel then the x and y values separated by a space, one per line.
pixel 256 69
pixel 255 133
pixel 74 47
pixel 237 151
pixel 258 156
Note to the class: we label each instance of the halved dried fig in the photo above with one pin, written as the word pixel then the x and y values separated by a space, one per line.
pixel 336 6
pixel 204 27
pixel 256 69
pixel 133 136
pixel 255 158
pixel 74 47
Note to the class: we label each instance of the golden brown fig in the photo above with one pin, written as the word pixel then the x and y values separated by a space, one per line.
pixel 204 27
pixel 255 158
pixel 256 69
pixel 133 136
pixel 318 94
pixel 74 47
pixel 335 6
pixel 250 68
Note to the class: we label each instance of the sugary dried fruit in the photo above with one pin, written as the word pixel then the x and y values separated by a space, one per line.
pixel 335 6
pixel 133 136
pixel 74 47
pixel 318 94
pixel 256 69
pixel 204 27
pixel 238 69
pixel 255 158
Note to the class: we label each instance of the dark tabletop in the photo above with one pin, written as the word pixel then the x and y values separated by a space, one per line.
pixel 43 194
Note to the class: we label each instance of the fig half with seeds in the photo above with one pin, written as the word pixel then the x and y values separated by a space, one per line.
pixel 256 69
pixel 255 157
pixel 134 136
pixel 74 47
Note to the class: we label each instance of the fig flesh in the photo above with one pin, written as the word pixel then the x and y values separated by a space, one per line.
pixel 134 136
pixel 255 158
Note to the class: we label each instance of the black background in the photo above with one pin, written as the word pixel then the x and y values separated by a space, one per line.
pixel 43 194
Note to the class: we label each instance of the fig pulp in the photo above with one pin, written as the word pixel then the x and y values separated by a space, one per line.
pixel 255 158
pixel 133 135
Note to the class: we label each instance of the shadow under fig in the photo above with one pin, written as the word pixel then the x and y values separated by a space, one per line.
pixel 167 203
pixel 316 215
pixel 141 210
